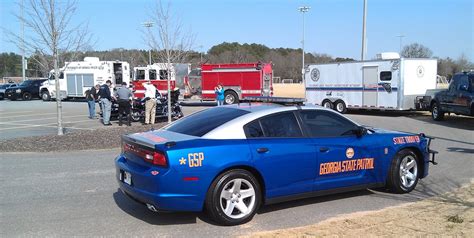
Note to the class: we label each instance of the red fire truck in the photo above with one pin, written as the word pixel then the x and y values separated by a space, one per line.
pixel 238 80
pixel 158 75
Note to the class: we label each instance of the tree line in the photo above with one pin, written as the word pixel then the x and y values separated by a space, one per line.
pixel 286 61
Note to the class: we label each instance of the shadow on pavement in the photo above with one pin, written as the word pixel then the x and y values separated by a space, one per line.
pixel 307 201
pixel 140 211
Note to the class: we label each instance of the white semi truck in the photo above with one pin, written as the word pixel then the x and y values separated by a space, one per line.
pixel 388 83
pixel 78 76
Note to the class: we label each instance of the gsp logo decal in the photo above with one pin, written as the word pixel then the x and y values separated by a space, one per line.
pixel 349 153
pixel 194 160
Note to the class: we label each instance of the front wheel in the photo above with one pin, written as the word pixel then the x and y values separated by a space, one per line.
pixel 45 96
pixel 403 174
pixel 327 104
pixel 436 112
pixel 233 197
pixel 135 115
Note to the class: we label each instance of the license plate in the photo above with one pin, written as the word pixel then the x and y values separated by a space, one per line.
pixel 127 177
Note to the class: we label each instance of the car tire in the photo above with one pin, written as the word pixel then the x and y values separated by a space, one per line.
pixel 436 112
pixel 327 104
pixel 233 198
pixel 230 97
pixel 26 96
pixel 340 106
pixel 45 96
pixel 403 174
pixel 135 116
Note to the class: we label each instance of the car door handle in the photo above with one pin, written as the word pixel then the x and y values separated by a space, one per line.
pixel 323 149
pixel 262 150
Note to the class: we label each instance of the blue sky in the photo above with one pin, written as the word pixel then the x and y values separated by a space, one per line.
pixel 332 26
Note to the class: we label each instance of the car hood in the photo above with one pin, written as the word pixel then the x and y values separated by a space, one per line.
pixel 391 132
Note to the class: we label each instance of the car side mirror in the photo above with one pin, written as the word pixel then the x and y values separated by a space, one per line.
pixel 360 131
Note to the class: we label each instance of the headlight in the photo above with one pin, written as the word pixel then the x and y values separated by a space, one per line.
pixel 18 91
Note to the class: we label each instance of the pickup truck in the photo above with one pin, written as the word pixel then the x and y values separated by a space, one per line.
pixel 458 98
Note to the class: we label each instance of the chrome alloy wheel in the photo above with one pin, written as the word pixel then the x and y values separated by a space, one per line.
pixel 408 171
pixel 237 199
pixel 435 111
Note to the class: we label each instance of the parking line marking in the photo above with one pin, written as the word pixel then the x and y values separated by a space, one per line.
pixel 20 126
pixel 7 112
pixel 38 119
pixel 28 115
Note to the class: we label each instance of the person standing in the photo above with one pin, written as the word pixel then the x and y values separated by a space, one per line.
pixel 150 103
pixel 124 95
pixel 91 97
pixel 106 102
pixel 219 90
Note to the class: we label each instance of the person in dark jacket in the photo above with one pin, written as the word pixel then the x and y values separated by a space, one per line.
pixel 123 96
pixel 106 102
pixel 91 97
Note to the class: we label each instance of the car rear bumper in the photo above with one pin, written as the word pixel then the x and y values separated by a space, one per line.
pixel 12 95
pixel 167 196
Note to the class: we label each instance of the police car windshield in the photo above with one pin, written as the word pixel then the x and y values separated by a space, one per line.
pixel 200 123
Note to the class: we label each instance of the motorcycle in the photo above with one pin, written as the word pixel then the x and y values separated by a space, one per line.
pixel 138 107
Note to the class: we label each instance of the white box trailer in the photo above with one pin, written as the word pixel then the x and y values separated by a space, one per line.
pixel 78 76
pixel 385 84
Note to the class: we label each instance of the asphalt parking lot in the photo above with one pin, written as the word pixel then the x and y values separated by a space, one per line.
pixel 32 118
pixel 75 193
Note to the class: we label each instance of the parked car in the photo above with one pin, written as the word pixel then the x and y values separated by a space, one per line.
pixel 230 160
pixel 458 98
pixel 27 90
pixel 4 87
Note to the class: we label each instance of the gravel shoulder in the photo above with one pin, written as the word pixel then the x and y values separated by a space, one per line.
pixel 447 215
pixel 102 138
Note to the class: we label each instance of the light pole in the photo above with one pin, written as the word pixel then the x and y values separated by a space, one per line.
pixel 303 10
pixel 148 24
pixel 401 37
pixel 23 66
pixel 362 57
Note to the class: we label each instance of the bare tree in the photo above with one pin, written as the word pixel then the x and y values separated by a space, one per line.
pixel 51 34
pixel 171 43
pixel 416 50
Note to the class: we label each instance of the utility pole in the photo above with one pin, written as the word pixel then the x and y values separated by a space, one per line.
pixel 363 31
pixel 148 24
pixel 303 10
pixel 23 73
pixel 401 37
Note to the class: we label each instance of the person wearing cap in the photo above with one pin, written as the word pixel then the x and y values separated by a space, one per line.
pixel 150 102
pixel 91 97
pixel 124 95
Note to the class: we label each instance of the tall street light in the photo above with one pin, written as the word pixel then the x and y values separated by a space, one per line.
pixel 148 24
pixel 303 10
pixel 401 37
pixel 362 57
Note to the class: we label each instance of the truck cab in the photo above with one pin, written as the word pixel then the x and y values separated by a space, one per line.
pixel 458 98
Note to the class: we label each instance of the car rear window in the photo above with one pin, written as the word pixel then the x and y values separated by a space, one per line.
pixel 200 123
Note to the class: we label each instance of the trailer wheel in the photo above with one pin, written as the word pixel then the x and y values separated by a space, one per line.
pixel 327 104
pixel 45 96
pixel 230 97
pixel 340 106
pixel 436 112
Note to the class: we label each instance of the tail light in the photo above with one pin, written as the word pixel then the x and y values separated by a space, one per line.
pixel 148 155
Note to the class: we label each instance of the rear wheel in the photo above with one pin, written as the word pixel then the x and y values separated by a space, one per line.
pixel 26 96
pixel 403 174
pixel 230 97
pixel 436 112
pixel 233 197
pixel 45 96
pixel 327 104
pixel 340 106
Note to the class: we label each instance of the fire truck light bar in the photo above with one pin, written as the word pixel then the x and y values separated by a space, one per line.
pixel 278 100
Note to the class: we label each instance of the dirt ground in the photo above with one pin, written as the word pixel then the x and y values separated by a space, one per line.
pixel 448 215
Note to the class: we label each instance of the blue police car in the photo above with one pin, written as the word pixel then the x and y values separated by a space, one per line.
pixel 231 160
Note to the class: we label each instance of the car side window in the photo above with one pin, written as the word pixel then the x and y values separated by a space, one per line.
pixel 281 125
pixel 253 129
pixel 321 123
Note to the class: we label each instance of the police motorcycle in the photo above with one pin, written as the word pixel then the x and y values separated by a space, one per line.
pixel 138 106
